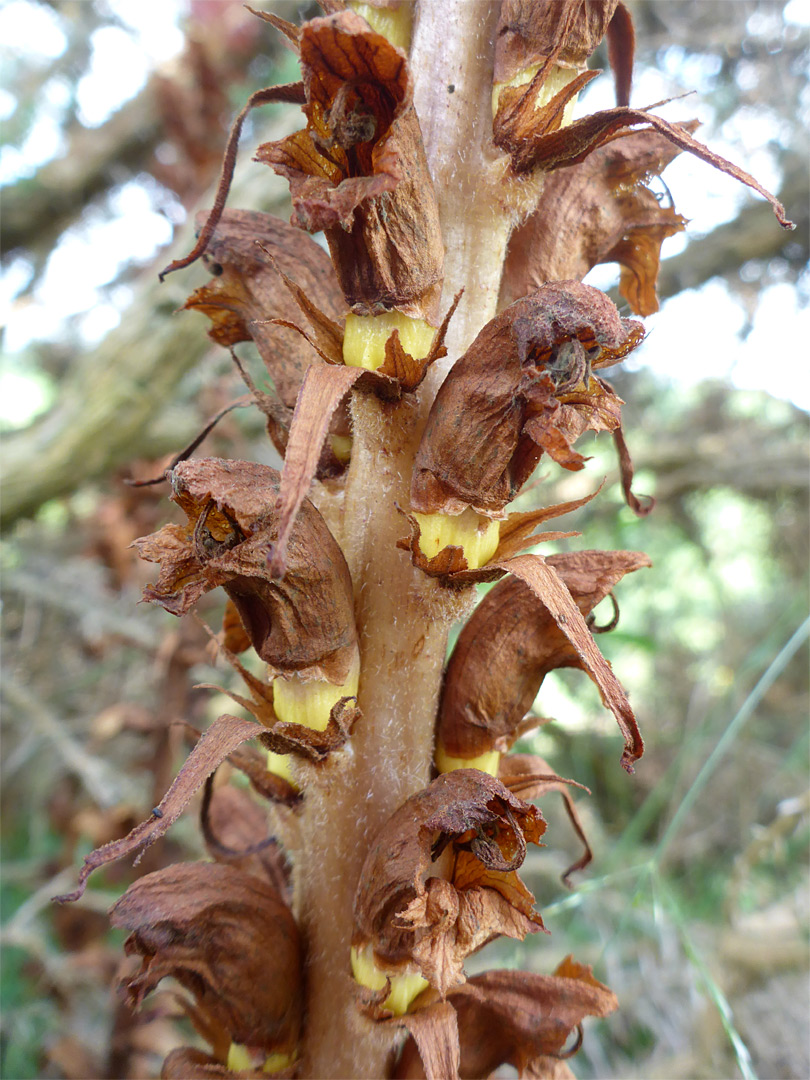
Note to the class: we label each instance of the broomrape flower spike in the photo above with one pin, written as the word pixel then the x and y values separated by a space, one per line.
pixel 420 372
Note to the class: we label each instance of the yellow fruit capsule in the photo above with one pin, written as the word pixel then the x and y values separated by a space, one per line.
pixel 557 79
pixel 487 762
pixel 279 764
pixel 365 336
pixel 393 23
pixel 404 988
pixel 241 1059
pixel 477 535
pixel 341 447
pixel 310 703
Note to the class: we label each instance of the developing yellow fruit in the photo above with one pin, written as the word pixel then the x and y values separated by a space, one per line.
pixel 393 23
pixel 557 80
pixel 240 1059
pixel 365 336
pixel 487 762
pixel 404 988
pixel 478 536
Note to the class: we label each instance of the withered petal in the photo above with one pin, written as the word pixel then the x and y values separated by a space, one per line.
pixel 359 171
pixel 543 580
pixel 221 739
pixel 517 1018
pixel 516 636
pixel 587 211
pixel 303 624
pixel 476 450
pixel 228 938
pixel 249 292
pixel 530 777
pixel 432 922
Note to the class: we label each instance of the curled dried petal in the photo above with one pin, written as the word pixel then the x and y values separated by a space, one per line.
pixel 501 405
pixel 509 645
pixel 598 211
pixel 304 623
pixel 474 831
pixel 228 938
pixel 359 170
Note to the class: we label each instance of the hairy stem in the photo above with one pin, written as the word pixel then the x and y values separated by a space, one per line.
pixel 403 618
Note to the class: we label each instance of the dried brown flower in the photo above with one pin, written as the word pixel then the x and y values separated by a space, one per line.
pixel 229 939
pixel 518 1018
pixel 511 642
pixel 359 170
pixel 305 623
pixel 474 832
pixel 502 405
pixel 599 211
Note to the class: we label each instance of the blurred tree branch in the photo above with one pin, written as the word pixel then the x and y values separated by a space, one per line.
pixel 36 210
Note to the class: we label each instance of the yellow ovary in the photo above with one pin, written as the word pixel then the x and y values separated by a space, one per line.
pixel 393 23
pixel 404 988
pixel 365 336
pixel 558 78
pixel 487 762
pixel 478 536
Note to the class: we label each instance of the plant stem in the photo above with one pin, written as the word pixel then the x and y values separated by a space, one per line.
pixel 403 616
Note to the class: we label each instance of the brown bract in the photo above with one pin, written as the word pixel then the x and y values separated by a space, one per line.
pixel 534 139
pixel 509 645
pixel 533 31
pixel 229 939
pixel 359 170
pixel 504 402
pixel 474 831
pixel 248 295
pixel 597 212
pixel 304 623
pixel 518 1018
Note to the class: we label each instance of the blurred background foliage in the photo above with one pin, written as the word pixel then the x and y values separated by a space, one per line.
pixel 695 909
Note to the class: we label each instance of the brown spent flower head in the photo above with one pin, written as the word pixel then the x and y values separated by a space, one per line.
pixel 230 940
pixel 501 405
pixel 359 170
pixel 247 296
pixel 518 1018
pixel 507 648
pixel 304 623
pixel 474 832
pixel 599 211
